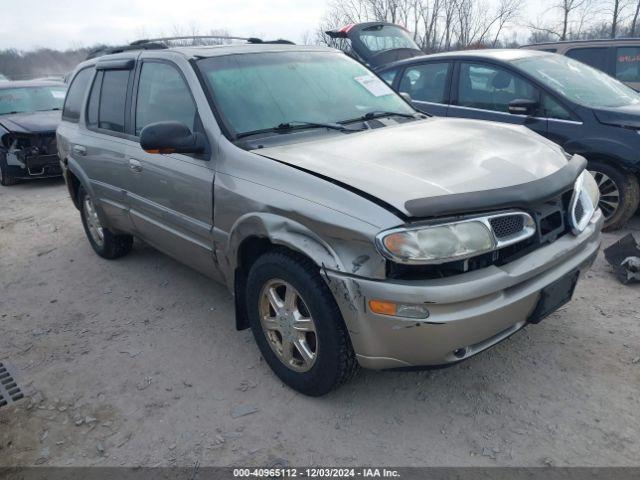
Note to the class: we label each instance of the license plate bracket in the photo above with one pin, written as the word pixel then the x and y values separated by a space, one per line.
pixel 554 296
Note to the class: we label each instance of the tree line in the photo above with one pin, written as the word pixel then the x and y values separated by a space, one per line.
pixel 441 25
pixel 436 25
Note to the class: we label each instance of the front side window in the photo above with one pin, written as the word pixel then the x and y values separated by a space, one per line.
pixel 255 92
pixel 552 109
pixel 75 95
pixel 31 99
pixel 578 82
pixel 427 82
pixel 596 57
pixel 628 64
pixel 163 95
pixel 113 97
pixel 491 88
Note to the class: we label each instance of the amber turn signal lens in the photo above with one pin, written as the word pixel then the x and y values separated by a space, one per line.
pixel 381 307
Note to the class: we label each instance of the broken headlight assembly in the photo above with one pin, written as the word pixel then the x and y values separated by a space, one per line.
pixel 584 202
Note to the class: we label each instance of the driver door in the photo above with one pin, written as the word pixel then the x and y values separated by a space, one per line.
pixel 171 196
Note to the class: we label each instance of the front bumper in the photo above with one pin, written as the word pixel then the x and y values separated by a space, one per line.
pixel 468 313
pixel 25 166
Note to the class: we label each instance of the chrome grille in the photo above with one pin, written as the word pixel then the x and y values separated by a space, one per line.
pixel 507 225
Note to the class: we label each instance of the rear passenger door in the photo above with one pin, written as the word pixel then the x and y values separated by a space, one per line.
pixel 106 141
pixel 428 84
pixel 483 91
pixel 170 196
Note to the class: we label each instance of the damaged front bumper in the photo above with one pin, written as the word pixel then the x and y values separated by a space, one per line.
pixel 35 157
pixel 468 313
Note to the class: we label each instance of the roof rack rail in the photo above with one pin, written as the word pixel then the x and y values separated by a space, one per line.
pixel 161 43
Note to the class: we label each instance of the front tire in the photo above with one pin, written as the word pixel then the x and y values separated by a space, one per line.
pixel 619 193
pixel 103 241
pixel 6 179
pixel 297 324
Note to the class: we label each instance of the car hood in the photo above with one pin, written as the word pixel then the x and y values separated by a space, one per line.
pixel 31 122
pixel 627 116
pixel 429 158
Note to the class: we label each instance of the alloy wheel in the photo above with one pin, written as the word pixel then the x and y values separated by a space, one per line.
pixel 93 222
pixel 609 194
pixel 288 326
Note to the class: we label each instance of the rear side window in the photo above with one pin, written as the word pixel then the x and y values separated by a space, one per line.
pixel 113 98
pixel 427 82
pixel 75 95
pixel 163 95
pixel 628 64
pixel 596 57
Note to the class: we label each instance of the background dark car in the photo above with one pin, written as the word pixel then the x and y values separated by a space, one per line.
pixel 29 115
pixel 581 108
pixel 619 57
pixel 374 44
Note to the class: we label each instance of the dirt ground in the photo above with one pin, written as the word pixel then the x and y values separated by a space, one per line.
pixel 137 362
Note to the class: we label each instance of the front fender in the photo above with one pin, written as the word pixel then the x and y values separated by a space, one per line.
pixel 615 150
pixel 283 231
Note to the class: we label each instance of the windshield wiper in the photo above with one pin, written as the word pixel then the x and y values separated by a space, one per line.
pixel 298 125
pixel 379 114
pixel 382 113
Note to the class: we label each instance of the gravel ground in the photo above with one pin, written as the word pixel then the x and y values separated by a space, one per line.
pixel 137 362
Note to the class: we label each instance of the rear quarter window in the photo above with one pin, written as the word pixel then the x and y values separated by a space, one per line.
pixel 76 94
pixel 595 57
pixel 628 64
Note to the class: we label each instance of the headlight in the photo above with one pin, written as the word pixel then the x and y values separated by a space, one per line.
pixel 438 243
pixel 584 202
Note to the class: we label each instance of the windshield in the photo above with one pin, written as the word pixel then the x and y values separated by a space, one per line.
pixel 261 91
pixel 31 99
pixel 578 82
pixel 385 37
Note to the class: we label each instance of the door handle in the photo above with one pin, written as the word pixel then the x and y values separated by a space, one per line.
pixel 135 165
pixel 79 150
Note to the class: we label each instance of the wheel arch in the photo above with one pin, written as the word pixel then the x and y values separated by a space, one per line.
pixel 256 234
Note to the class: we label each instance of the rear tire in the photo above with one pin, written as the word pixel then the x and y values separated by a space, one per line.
pixel 330 360
pixel 6 179
pixel 619 193
pixel 103 241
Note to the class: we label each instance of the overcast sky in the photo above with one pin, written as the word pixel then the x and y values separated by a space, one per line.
pixel 64 24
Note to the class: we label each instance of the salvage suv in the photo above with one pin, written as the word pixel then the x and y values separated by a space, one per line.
pixel 351 229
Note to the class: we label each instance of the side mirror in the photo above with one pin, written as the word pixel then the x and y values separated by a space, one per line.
pixel 171 137
pixel 406 97
pixel 521 106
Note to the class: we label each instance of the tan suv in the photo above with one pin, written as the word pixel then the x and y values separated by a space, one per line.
pixel 620 58
pixel 352 229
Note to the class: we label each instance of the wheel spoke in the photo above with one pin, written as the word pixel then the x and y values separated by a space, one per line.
pixel 270 323
pixel 303 324
pixel 287 350
pixel 304 350
pixel 274 299
pixel 290 296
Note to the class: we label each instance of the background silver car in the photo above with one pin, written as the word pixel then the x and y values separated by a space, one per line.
pixel 351 229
